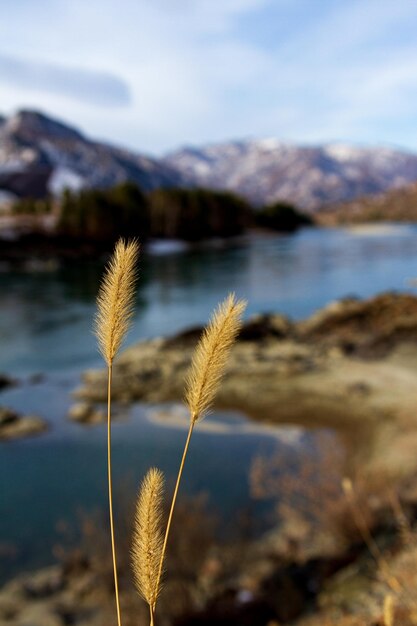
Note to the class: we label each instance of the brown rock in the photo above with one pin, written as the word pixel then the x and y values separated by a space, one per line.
pixel 6 381
pixel 39 615
pixel 86 413
pixel 44 583
pixel 343 368
pixel 14 426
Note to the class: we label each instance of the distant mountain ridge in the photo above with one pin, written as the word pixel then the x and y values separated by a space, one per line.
pixel 266 171
pixel 40 155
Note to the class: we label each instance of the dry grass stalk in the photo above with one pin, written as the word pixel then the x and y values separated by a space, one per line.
pixel 401 519
pixel 115 308
pixel 360 521
pixel 211 354
pixel 204 378
pixel 389 610
pixel 116 298
pixel 148 537
pixel 306 487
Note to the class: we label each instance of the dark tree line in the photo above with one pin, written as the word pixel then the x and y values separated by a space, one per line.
pixel 190 214
pixel 195 214
pixel 283 217
pixel 104 215
pixel 124 210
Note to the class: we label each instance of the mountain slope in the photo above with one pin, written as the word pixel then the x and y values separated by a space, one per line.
pixel 39 154
pixel 399 205
pixel 267 170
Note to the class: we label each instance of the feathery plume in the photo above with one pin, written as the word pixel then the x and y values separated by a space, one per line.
pixel 203 380
pixel 211 355
pixel 148 536
pixel 115 299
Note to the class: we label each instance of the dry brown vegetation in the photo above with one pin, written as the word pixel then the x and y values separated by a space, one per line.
pixel 343 549
pixel 308 491
pixel 115 311
pixel 192 569
pixel 369 519
pixel 114 315
pixel 116 298
pixel 345 536
pixel 201 572
pixel 211 355
pixel 148 538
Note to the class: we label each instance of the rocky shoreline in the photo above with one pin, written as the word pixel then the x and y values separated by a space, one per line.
pixel 251 583
pixel 350 367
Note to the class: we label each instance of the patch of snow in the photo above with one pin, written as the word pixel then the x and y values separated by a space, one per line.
pixel 64 178
pixel 343 152
pixel 270 143
pixel 28 155
pixel 201 168
pixel 10 164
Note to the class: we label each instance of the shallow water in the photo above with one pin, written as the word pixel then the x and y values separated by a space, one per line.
pixel 48 480
pixel 45 326
pixel 46 317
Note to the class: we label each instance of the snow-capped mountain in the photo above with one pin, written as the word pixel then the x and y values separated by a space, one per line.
pixel 39 154
pixel 267 170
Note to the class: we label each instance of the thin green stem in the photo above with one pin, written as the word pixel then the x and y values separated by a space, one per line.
pixel 174 499
pixel 109 473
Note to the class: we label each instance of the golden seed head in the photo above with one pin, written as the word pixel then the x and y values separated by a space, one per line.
pixel 116 299
pixel 211 355
pixel 148 537
pixel 347 486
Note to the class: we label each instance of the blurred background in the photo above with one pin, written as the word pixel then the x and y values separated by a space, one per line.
pixel 264 147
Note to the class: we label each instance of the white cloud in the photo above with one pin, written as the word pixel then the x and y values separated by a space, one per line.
pixel 195 73
pixel 92 87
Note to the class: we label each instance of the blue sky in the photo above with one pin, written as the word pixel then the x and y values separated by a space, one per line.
pixel 156 74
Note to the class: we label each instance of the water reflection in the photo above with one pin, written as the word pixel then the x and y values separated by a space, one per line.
pixel 45 318
pixel 45 326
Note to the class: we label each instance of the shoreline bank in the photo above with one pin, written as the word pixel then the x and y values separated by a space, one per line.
pixel 350 367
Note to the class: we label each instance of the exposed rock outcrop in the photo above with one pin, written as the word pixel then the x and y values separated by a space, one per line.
pixel 15 426
pixel 6 381
pixel 85 413
pixel 351 367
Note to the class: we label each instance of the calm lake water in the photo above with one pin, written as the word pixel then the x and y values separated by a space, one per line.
pixel 45 327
